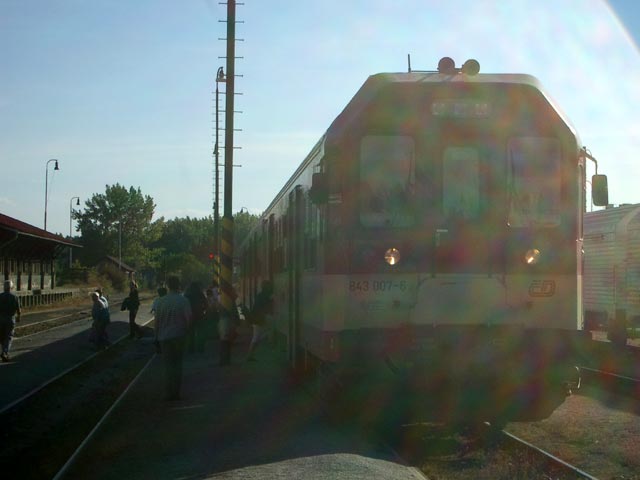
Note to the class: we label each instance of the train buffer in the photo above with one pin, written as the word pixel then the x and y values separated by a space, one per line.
pixel 246 420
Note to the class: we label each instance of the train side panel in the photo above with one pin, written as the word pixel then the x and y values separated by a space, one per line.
pixel 612 266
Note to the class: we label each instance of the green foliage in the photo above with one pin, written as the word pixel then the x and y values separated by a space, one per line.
pixel 243 222
pixel 119 218
pixel 187 235
pixel 187 267
pixel 115 277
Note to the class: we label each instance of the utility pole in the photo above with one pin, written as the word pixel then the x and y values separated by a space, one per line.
pixel 220 77
pixel 228 300
pixel 70 232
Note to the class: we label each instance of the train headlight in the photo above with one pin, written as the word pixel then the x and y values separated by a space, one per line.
pixel 392 256
pixel 532 256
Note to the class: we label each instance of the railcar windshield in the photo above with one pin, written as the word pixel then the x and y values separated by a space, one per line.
pixel 386 193
pixel 461 183
pixel 534 182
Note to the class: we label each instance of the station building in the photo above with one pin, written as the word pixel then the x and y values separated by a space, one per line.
pixel 27 257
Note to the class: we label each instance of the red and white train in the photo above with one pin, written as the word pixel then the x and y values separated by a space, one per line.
pixel 432 240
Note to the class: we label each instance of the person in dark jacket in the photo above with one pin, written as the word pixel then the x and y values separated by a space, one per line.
pixel 9 315
pixel 260 315
pixel 228 322
pixel 198 302
pixel 212 315
pixel 132 303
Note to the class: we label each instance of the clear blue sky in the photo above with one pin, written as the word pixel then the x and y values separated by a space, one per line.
pixel 122 91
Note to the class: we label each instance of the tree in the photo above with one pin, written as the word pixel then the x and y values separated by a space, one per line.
pixel 188 235
pixel 243 222
pixel 118 221
pixel 186 244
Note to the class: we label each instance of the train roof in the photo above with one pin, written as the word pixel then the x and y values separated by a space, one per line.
pixel 374 83
pixel 612 220
pixel 436 77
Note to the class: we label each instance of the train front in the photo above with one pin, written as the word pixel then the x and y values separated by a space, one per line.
pixel 454 222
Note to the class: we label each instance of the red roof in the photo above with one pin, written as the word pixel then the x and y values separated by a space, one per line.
pixel 10 223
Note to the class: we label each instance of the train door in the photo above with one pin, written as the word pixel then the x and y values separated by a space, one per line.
pixel 296 231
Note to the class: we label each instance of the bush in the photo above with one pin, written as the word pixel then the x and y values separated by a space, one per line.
pixel 117 278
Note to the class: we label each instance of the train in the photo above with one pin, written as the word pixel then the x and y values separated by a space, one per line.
pixel 427 252
pixel 612 270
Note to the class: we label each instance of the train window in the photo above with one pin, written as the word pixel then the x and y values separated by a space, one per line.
pixel 461 183
pixel 387 180
pixel 534 182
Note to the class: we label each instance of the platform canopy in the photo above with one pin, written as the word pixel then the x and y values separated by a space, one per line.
pixel 21 240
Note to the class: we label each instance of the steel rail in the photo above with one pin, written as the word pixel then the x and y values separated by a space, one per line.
pixel 557 462
pixel 48 382
pixel 35 324
pixel 610 374
pixel 69 463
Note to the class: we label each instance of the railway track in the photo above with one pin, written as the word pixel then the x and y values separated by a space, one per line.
pixel 552 466
pixel 72 401
pixel 620 384
pixel 481 451
pixel 72 458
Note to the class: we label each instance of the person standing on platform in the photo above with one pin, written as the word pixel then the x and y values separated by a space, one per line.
pixel 9 315
pixel 162 291
pixel 228 330
pixel 99 314
pixel 211 317
pixel 103 299
pixel 260 314
pixel 198 303
pixel 173 318
pixel 106 316
pixel 132 303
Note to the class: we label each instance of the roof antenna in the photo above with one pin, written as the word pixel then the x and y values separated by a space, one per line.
pixel 409 61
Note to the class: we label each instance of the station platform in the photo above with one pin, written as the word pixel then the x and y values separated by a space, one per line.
pixel 246 420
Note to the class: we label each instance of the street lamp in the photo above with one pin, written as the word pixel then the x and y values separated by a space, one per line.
pixel 70 218
pixel 220 78
pixel 120 244
pixel 46 184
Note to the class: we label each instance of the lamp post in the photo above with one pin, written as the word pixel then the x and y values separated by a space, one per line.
pixel 70 220
pixel 46 185
pixel 120 244
pixel 220 78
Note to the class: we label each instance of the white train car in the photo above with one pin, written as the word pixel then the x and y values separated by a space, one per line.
pixel 433 238
pixel 612 267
